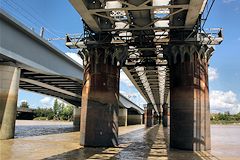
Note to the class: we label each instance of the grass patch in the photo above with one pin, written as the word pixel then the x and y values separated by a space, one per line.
pixel 40 118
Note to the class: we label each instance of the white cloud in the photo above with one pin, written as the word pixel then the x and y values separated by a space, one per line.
pixel 228 1
pixel 221 101
pixel 62 101
pixel 75 57
pixel 23 101
pixel 212 73
pixel 130 91
pixel 47 102
pixel 124 79
pixel 234 4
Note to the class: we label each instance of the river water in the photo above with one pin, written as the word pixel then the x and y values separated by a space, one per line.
pixel 59 140
pixel 25 128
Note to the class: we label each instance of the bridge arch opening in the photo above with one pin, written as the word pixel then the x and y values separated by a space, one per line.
pixel 186 57
pixel 178 59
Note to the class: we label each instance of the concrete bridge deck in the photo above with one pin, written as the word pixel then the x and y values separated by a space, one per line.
pixel 44 68
pixel 40 68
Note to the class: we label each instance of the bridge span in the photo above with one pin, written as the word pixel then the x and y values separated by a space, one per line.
pixel 163 49
pixel 161 46
pixel 42 68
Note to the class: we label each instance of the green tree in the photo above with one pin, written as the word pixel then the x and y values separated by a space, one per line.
pixel 67 112
pixel 24 104
pixel 60 111
pixel 56 109
pixel 49 113
pixel 44 112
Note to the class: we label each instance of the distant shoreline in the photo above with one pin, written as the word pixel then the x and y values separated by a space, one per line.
pixel 42 122
pixel 26 122
pixel 222 122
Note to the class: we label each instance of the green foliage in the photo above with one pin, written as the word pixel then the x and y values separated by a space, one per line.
pixel 56 109
pixel 67 112
pixel 225 118
pixel 44 112
pixel 24 104
pixel 59 111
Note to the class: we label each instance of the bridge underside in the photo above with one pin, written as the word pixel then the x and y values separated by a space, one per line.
pixel 29 68
pixel 162 49
pixel 53 85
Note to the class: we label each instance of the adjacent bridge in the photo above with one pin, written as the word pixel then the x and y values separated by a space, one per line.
pixel 43 69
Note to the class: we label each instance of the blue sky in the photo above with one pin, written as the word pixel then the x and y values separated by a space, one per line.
pixel 59 18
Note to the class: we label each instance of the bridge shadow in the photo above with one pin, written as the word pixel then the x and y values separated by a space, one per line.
pixel 161 150
pixel 133 145
pixel 99 152
pixel 146 143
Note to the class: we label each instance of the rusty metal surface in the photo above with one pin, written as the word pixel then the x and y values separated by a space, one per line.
pixel 190 126
pixel 99 114
pixel 149 115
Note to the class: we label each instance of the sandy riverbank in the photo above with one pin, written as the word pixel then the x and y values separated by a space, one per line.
pixel 41 122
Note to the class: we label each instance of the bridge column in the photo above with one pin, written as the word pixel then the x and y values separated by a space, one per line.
pixel 122 117
pixel 165 115
pixel 76 117
pixel 143 118
pixel 149 115
pixel 160 118
pixel 134 117
pixel 100 96
pixel 155 118
pixel 9 84
pixel 189 99
pixel 159 106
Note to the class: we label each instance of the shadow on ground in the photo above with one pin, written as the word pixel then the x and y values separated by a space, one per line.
pixel 151 143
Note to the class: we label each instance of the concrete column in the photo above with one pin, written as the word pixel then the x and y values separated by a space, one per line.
pixel 100 96
pixel 142 122
pixel 190 122
pixel 122 117
pixel 76 117
pixel 155 118
pixel 149 115
pixel 143 119
pixel 134 119
pixel 159 107
pixel 165 115
pixel 160 118
pixel 9 84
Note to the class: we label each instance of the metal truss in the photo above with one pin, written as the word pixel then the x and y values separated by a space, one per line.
pixel 146 28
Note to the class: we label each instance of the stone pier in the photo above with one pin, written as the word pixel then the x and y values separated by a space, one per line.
pixel 122 117
pixel 165 115
pixel 9 84
pixel 149 115
pixel 189 111
pixel 155 118
pixel 76 117
pixel 133 117
pixel 100 97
